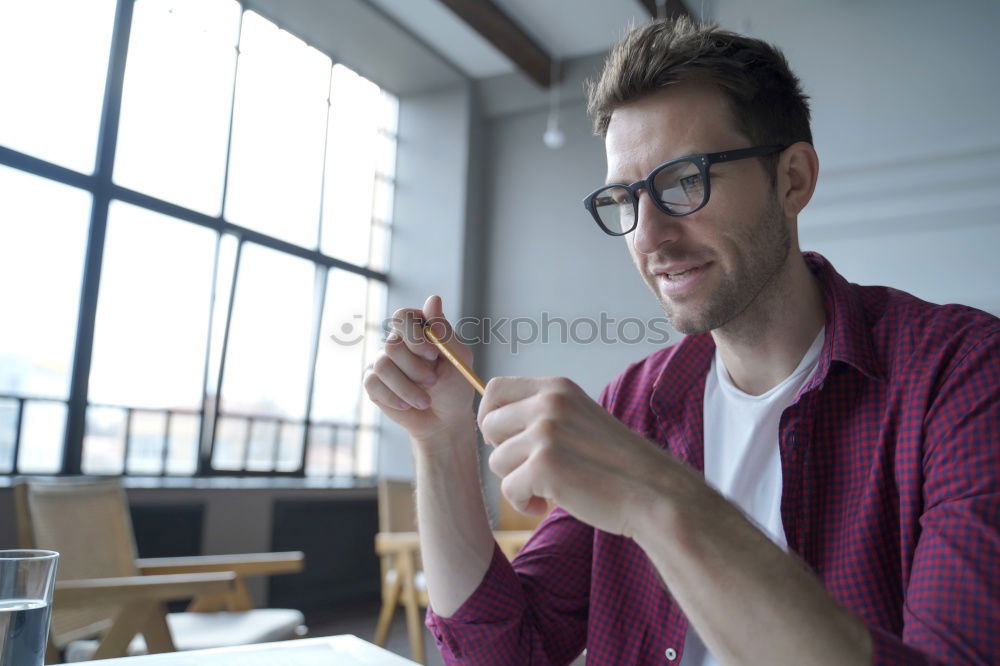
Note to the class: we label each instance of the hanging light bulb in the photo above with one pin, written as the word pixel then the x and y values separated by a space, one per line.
pixel 554 137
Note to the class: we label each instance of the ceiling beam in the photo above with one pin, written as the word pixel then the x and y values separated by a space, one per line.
pixel 499 30
pixel 674 8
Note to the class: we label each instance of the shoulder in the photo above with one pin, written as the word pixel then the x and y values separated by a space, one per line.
pixel 913 335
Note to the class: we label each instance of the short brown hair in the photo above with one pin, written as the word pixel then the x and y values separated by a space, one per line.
pixel 766 100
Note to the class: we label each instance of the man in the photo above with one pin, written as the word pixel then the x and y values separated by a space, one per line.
pixel 812 476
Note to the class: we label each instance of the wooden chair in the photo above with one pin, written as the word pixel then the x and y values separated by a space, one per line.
pixel 398 548
pixel 103 591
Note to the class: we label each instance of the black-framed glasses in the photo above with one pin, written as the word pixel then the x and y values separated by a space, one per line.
pixel 678 187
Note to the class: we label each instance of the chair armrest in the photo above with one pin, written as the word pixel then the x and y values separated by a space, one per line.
pixel 88 591
pixel 389 543
pixel 249 564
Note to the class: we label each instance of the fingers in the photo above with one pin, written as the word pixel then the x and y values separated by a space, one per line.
pixel 398 376
pixel 555 394
pixel 408 324
pixel 519 490
pixel 500 424
pixel 381 395
pixel 505 459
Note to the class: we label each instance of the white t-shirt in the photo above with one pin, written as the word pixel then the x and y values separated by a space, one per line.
pixel 742 460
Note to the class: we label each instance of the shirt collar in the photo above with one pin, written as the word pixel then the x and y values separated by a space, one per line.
pixel 847 329
pixel 847 340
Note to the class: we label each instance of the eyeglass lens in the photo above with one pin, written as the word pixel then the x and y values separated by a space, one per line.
pixel 679 187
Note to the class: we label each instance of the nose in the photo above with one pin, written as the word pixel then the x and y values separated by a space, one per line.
pixel 654 227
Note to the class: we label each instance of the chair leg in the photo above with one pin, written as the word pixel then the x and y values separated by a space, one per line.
pixel 52 653
pixel 414 627
pixel 157 632
pixel 129 622
pixel 390 597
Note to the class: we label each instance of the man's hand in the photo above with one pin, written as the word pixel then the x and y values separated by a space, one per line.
pixel 553 442
pixel 417 389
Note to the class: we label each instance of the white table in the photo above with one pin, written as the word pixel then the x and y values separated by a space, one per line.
pixel 345 650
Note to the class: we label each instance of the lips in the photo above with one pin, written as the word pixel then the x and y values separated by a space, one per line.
pixel 677 270
pixel 677 279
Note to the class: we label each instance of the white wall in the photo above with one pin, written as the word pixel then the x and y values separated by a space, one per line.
pixel 906 101
pixel 429 223
pixel 546 255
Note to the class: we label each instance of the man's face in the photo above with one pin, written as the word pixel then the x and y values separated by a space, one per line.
pixel 708 267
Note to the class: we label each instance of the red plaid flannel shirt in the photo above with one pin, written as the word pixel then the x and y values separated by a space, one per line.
pixel 890 461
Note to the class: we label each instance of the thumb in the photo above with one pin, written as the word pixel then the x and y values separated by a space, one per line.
pixel 434 317
pixel 433 309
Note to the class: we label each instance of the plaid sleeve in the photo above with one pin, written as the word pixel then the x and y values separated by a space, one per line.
pixel 951 612
pixel 531 612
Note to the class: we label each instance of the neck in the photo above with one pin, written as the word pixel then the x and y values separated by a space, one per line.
pixel 765 343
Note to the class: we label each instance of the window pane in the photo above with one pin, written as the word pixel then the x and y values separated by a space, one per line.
pixel 319 455
pixel 339 363
pixel 43 240
pixel 352 159
pixel 146 439
pixel 152 313
pixel 385 161
pixel 176 101
pixel 290 448
pixel 8 431
pixel 185 433
pixel 55 65
pixel 276 164
pixel 388 113
pixel 230 444
pixel 43 429
pixel 263 439
pixel 267 359
pixel 378 258
pixel 365 451
pixel 343 457
pixel 104 441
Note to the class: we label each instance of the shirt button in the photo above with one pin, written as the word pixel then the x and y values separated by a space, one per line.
pixel 671 654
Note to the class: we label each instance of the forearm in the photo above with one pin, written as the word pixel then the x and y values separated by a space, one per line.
pixel 455 539
pixel 736 586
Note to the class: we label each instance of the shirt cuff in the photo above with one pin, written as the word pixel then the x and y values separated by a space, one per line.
pixel 493 609
pixel 888 648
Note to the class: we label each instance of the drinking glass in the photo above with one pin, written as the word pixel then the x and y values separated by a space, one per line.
pixel 27 579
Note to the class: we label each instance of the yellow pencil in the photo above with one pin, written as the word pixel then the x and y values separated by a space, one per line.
pixel 476 382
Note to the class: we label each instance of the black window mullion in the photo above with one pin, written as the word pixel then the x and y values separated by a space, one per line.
pixel 106 146
pixel 18 420
pixel 326 152
pixel 247 442
pixel 206 426
pixel 279 425
pixel 207 449
pixel 128 439
pixel 319 304
pixel 165 451
pixel 232 114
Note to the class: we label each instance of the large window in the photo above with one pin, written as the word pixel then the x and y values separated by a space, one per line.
pixel 195 212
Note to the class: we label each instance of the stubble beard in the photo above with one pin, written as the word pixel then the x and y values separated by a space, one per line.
pixel 766 245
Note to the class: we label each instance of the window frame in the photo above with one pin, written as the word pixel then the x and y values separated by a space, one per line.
pixel 103 191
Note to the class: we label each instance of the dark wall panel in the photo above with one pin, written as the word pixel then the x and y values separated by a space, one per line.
pixel 338 539
pixel 167 530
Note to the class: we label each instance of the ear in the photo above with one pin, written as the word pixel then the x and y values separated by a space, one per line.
pixel 798 171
